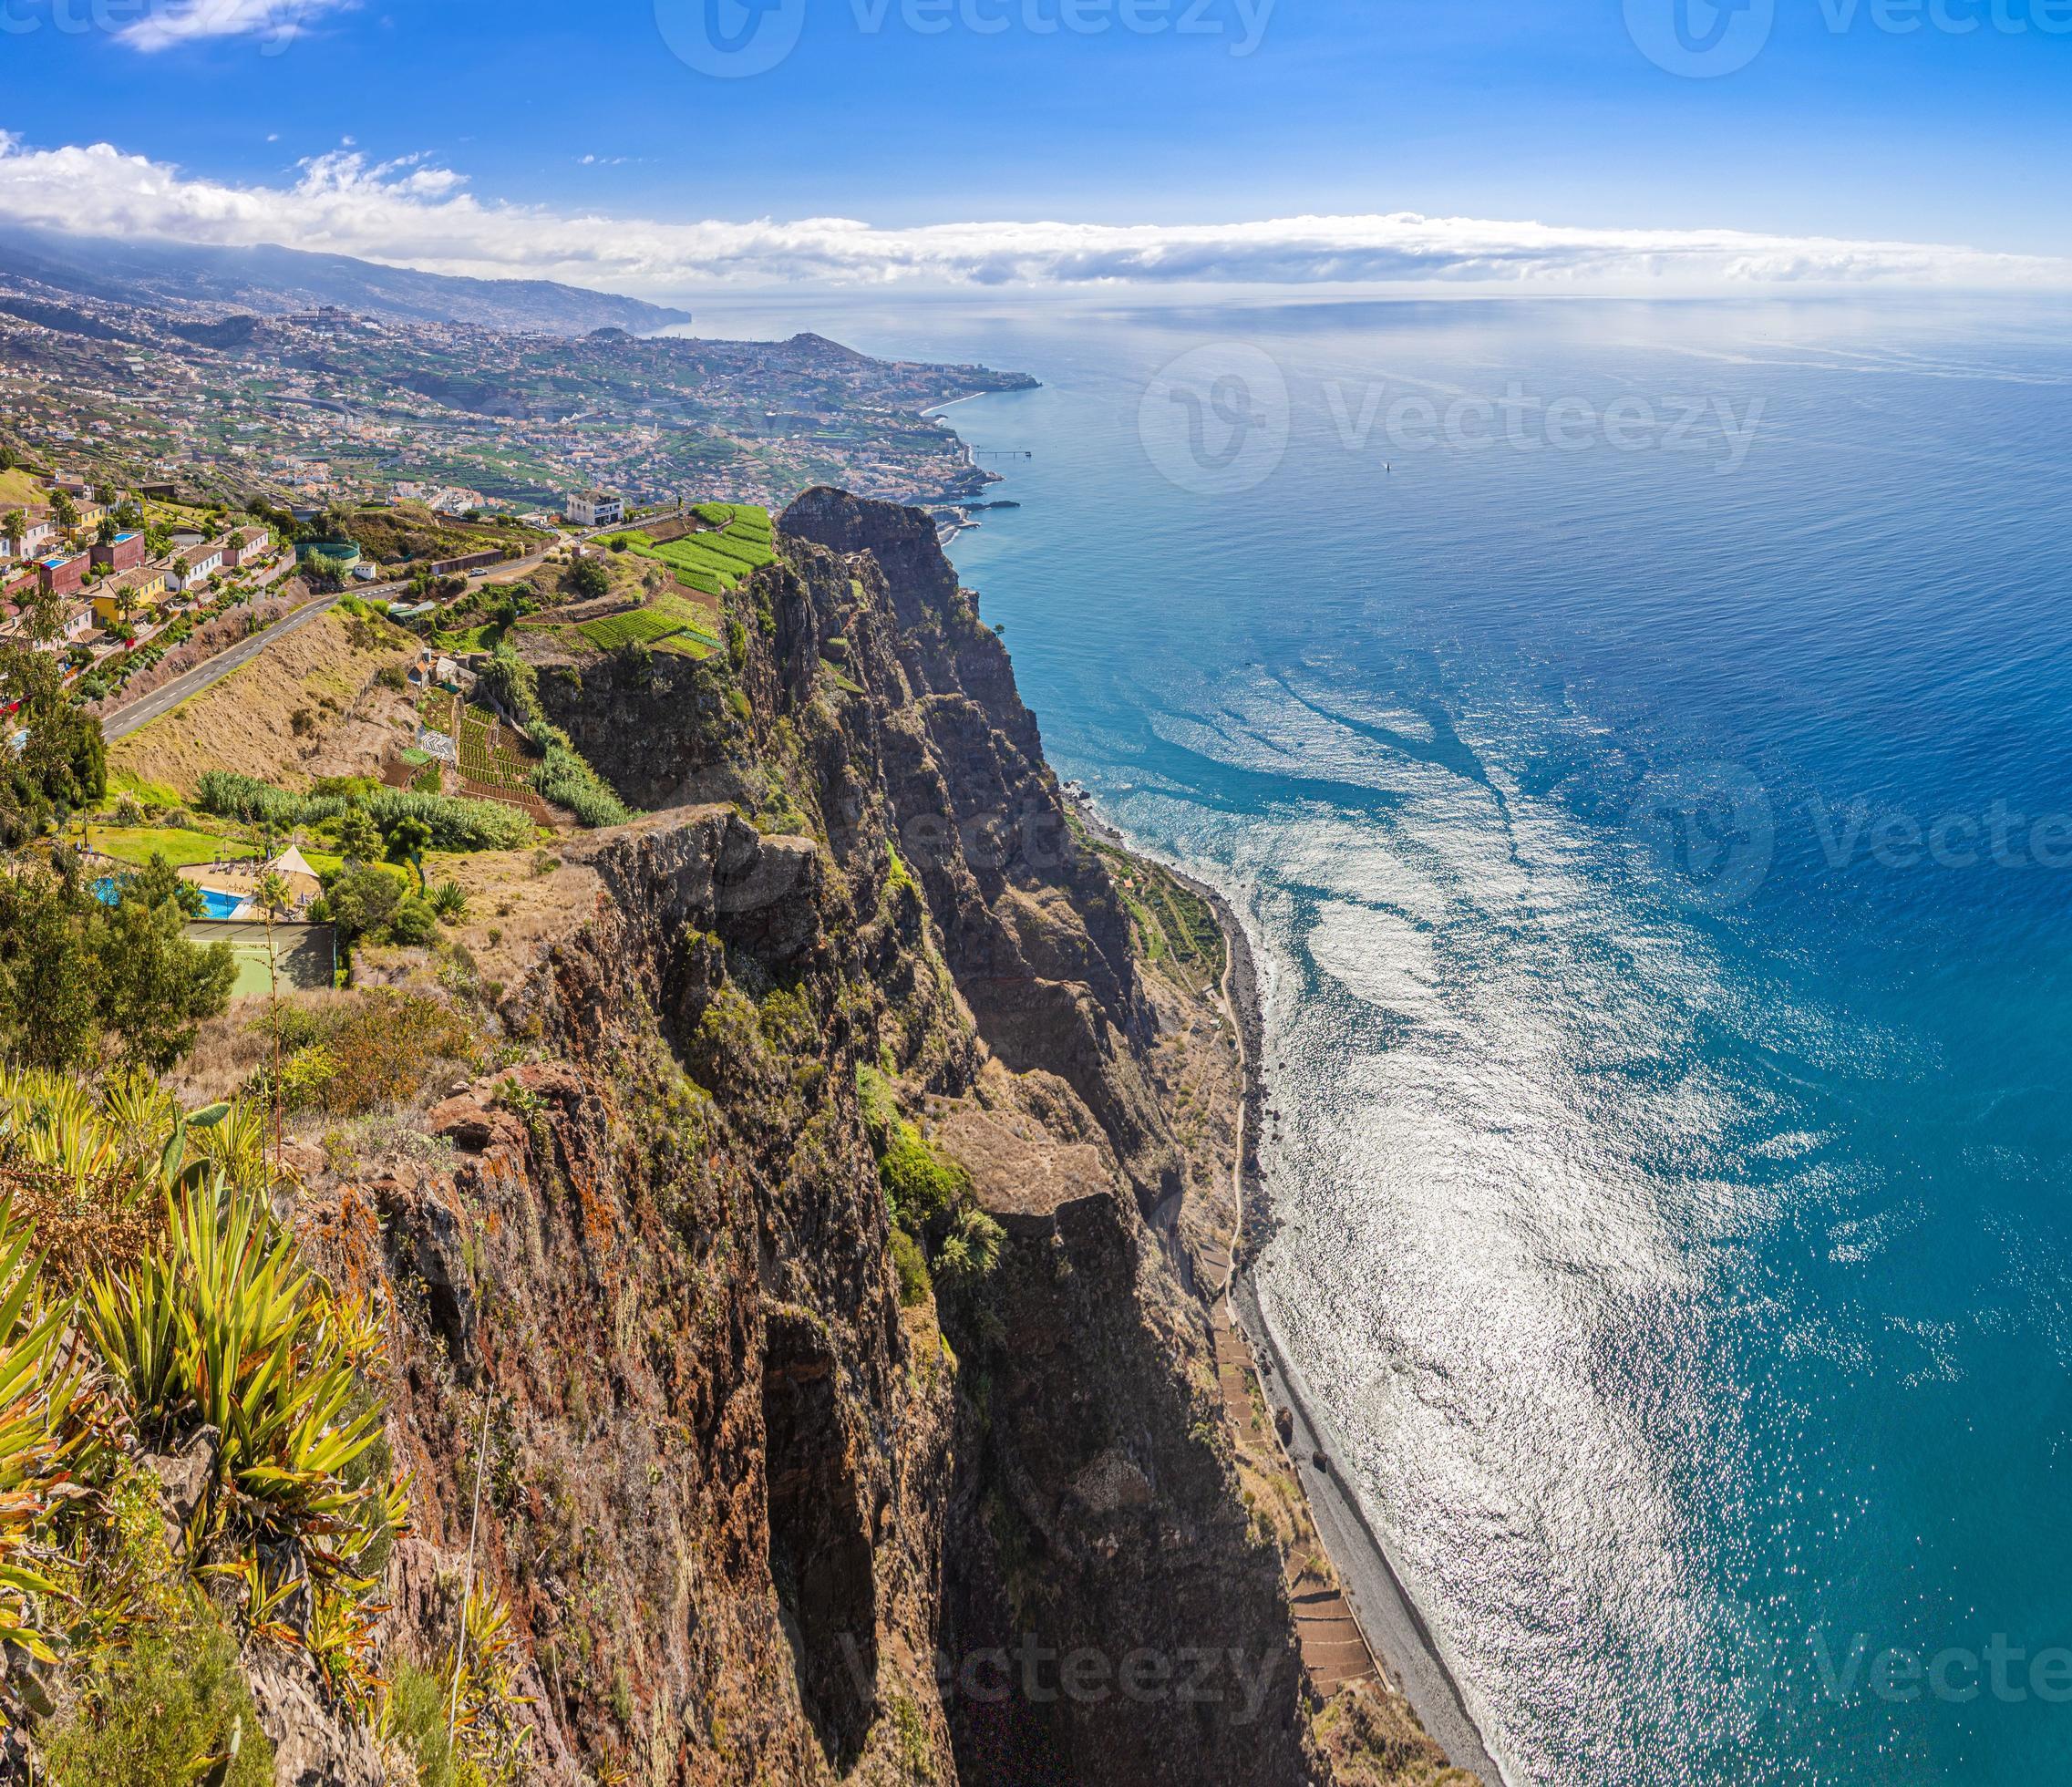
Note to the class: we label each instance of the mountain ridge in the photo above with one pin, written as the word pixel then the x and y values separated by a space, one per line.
pixel 200 281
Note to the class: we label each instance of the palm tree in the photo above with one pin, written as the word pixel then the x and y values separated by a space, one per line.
pixel 408 839
pixel 273 896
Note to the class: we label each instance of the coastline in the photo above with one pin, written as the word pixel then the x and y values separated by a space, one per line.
pixel 1395 1633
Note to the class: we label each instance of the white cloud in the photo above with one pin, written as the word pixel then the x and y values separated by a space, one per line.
pixel 410 212
pixel 168 23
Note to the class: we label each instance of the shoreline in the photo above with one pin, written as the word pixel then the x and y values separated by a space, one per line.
pixel 1396 1635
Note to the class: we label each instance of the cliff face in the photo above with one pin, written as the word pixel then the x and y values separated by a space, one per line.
pixel 763 1508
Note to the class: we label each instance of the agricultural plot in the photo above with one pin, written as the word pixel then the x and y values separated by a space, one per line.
pixel 492 757
pixel 638 626
pixel 714 561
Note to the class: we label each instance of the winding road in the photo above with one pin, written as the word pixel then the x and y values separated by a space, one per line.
pixel 162 701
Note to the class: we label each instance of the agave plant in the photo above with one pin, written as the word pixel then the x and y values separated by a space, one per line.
pixel 222 1326
pixel 130 1141
pixel 39 1383
pixel 484 1698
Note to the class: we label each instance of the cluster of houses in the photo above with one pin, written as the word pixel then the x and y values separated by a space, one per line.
pixel 104 581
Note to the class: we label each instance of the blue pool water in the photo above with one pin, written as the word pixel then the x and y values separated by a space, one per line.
pixel 1660 859
pixel 214 905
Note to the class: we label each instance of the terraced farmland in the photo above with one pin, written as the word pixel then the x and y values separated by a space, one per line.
pixel 637 627
pixel 714 561
pixel 492 756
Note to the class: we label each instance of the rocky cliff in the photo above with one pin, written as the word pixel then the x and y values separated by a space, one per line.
pixel 801 1313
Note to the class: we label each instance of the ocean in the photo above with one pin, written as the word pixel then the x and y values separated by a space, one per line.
pixel 1637 737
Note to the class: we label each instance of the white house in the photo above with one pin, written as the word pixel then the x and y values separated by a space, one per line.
pixel 195 565
pixel 38 532
pixel 597 508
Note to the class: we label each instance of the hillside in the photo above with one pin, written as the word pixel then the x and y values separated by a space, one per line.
pixel 189 277
pixel 778 1242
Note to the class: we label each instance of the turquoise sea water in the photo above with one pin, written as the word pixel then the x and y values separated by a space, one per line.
pixel 1668 970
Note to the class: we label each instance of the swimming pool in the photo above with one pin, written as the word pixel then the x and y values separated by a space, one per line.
pixel 214 902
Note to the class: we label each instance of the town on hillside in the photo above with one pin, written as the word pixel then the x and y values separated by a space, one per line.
pixel 318 733
pixel 112 580
pixel 325 406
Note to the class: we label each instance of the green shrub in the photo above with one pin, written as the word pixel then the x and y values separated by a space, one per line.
pixel 417 1708
pixel 376 1049
pixel 880 1105
pixel 566 779
pixel 362 900
pixel 413 923
pixel 910 1263
pixel 454 824
pixel 923 1187
pixel 165 1710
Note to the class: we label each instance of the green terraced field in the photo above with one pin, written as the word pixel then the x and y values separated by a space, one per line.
pixel 644 624
pixel 714 561
pixel 491 755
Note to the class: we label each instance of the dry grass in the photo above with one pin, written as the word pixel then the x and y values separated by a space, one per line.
pixel 103 1224
pixel 230 1049
pixel 1373 1739
pixel 514 911
pixel 247 721
pixel 21 490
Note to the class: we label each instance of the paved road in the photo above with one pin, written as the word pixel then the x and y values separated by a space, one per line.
pixel 162 701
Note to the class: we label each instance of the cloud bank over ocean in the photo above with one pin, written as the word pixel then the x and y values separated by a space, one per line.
pixel 413 213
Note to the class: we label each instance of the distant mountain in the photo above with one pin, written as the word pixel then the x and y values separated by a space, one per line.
pixel 182 277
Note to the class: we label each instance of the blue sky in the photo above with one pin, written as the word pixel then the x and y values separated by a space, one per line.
pixel 1508 110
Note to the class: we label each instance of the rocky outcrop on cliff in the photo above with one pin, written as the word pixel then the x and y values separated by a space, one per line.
pixel 716 1472
pixel 767 1503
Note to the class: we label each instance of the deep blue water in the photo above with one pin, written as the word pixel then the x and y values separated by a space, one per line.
pixel 1675 1169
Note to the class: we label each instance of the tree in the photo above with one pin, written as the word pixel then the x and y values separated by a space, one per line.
pixel 359 838
pixel 107 530
pixel 588 578
pixel 362 900
pixel 272 895
pixel 157 988
pixel 13 525
pixel 65 510
pixel 49 973
pixel 320 571
pixel 62 765
pixel 408 839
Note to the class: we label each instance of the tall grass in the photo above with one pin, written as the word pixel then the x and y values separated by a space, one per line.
pixel 455 824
